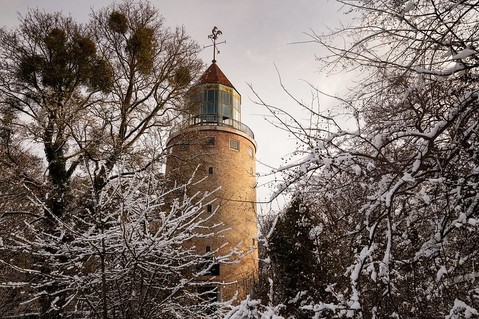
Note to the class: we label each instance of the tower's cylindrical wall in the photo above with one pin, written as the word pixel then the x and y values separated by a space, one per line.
pixel 225 158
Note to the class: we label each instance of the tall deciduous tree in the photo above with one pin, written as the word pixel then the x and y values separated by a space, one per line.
pixel 83 98
pixel 153 67
pixel 48 71
pixel 88 94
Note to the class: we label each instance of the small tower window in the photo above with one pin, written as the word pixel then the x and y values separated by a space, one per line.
pixel 207 249
pixel 209 208
pixel 250 151
pixel 184 144
pixel 234 144
pixel 215 269
pixel 210 141
pixel 210 170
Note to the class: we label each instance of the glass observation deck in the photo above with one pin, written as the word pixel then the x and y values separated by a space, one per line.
pixel 218 102
pixel 215 104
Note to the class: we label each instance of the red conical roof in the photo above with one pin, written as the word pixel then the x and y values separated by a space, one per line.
pixel 214 75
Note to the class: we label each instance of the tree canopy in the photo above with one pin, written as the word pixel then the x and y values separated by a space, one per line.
pixel 394 190
pixel 89 229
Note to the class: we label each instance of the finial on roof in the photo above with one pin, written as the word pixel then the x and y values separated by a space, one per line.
pixel 213 36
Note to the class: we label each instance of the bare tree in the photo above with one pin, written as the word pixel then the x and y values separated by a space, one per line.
pixel 83 98
pixel 88 94
pixel 48 69
pixel 398 189
pixel 131 259
pixel 153 68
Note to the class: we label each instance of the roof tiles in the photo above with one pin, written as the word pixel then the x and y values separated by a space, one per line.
pixel 213 74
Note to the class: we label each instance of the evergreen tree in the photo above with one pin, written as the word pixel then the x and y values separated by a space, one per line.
pixel 294 260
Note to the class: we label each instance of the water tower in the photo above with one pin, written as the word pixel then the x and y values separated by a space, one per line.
pixel 214 146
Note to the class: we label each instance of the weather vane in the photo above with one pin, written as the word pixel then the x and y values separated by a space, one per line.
pixel 213 36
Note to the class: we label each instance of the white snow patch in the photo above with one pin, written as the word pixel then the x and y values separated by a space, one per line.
pixel 356 169
pixel 440 273
pixel 424 196
pixel 473 222
pixel 461 310
pixel 315 232
pixel 408 178
pixel 378 140
pixel 416 165
pixel 327 162
pixel 461 220
pixel 408 7
pixel 436 180
pixel 463 54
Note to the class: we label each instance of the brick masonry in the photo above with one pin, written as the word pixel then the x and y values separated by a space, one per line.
pixel 232 173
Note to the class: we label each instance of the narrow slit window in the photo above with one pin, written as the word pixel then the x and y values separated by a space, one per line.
pixel 210 170
pixel 209 208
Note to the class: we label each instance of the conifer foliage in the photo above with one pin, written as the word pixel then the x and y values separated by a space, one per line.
pixel 294 260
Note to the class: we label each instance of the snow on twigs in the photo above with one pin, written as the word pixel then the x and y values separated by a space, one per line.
pixel 409 6
pixel 252 309
pixel 461 310
pixel 463 54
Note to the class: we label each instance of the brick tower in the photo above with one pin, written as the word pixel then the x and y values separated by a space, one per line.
pixel 214 146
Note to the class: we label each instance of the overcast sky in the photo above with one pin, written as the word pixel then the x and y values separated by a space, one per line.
pixel 258 36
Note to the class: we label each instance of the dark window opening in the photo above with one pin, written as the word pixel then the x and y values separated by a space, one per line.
pixel 210 265
pixel 215 269
pixel 185 144
pixel 211 141
pixel 210 170
pixel 209 208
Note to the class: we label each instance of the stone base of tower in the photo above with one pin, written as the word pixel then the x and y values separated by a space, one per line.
pixel 239 290
pixel 237 279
